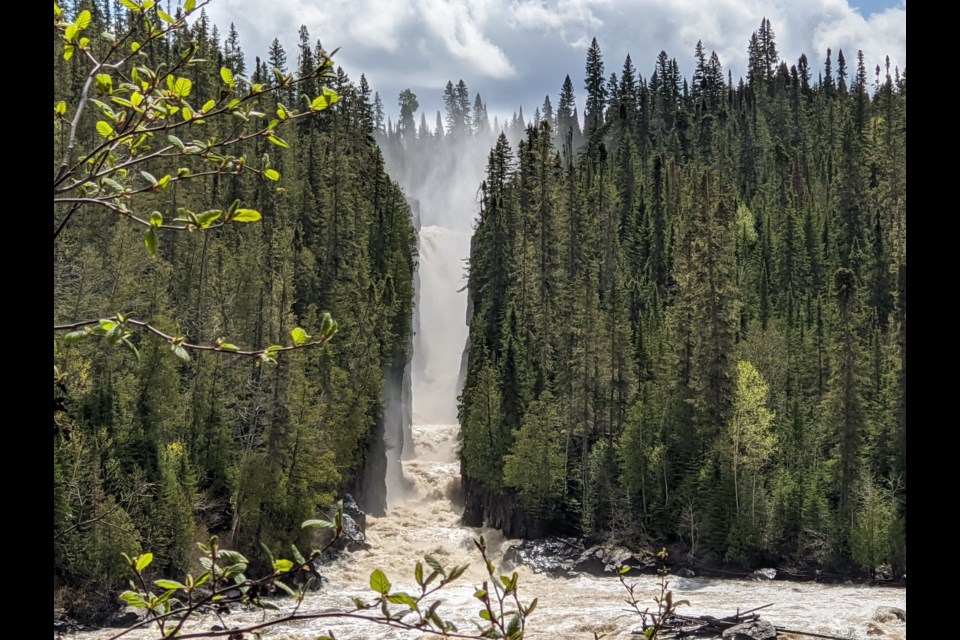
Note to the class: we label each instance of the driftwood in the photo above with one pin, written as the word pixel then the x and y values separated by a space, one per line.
pixel 685 626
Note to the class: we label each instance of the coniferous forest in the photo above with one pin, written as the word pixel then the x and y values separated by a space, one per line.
pixel 687 316
pixel 158 452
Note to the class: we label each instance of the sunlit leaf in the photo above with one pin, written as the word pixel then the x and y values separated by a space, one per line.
pixel 227 76
pixel 379 582
pixel 182 87
pixel 282 566
pixel 246 215
pixel 169 584
pixel 75 336
pixel 150 239
pixel 83 20
pixel 144 561
pixel 133 599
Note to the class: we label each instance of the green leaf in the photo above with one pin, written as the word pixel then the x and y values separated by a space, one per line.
pixel 104 82
pixel 226 346
pixel 208 217
pixel 169 584
pixel 71 33
pixel 182 87
pixel 180 353
pixel 297 555
pixel 435 565
pixel 165 17
pixel 272 174
pixel 149 177
pixel 323 524
pixel 456 573
pixel 144 561
pixel 379 582
pixel 134 46
pixel 68 51
pixel 209 104
pixel 107 325
pixel 133 599
pixel 227 76
pixel 83 20
pixel 74 337
pixel 60 109
pixel 299 336
pixel 130 4
pixel 150 239
pixel 403 598
pixel 278 141
pixel 282 566
pixel 189 5
pixel 486 615
pixel 290 592
pixel 232 557
pixel 514 625
pixel 533 605
pixel 246 215
pixel 156 219
pixel 418 573
pixel 104 129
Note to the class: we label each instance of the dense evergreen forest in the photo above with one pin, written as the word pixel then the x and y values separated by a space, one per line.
pixel 157 453
pixel 688 316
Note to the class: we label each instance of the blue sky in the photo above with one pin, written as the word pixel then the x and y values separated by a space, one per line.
pixel 514 52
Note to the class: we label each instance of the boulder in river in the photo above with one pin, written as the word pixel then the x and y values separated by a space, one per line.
pixel 756 630
pixel 764 574
pixel 890 614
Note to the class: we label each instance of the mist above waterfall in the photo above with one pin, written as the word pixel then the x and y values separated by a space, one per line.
pixel 443 329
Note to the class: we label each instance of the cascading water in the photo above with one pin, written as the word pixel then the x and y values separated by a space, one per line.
pixel 424 519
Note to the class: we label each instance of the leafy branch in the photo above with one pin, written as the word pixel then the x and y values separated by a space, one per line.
pixel 143 104
pixel 118 330
pixel 171 604
pixel 653 623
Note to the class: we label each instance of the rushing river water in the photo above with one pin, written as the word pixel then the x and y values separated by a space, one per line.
pixel 424 520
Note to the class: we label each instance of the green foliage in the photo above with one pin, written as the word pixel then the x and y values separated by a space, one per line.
pixel 170 436
pixel 627 272
pixel 534 466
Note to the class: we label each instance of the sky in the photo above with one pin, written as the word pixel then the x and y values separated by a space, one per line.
pixel 515 52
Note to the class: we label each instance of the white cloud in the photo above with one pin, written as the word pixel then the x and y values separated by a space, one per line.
pixel 515 51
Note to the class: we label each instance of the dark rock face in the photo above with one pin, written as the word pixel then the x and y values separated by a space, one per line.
pixel 481 505
pixel 352 509
pixel 890 614
pixel 757 630
pixel 353 536
pixel 564 556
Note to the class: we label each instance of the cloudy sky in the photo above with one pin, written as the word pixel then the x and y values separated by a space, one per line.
pixel 514 52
